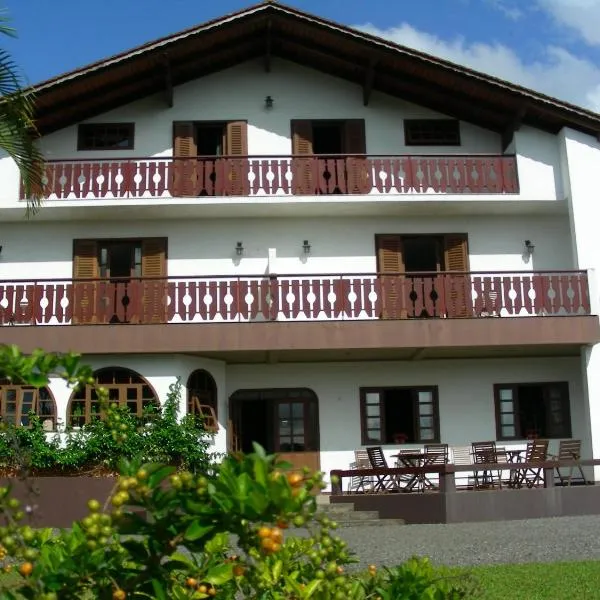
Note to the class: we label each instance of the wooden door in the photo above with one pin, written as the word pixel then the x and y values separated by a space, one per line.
pixel 237 169
pixel 296 433
pixel 154 290
pixel 185 159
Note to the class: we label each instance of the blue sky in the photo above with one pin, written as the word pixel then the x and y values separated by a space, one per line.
pixel 549 45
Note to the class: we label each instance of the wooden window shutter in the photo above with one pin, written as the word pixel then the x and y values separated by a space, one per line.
pixel 237 138
pixel 358 175
pixel 389 260
pixel 85 259
pixel 154 292
pixel 236 144
pixel 184 147
pixel 458 287
pixel 354 137
pixel 304 178
pixel 85 266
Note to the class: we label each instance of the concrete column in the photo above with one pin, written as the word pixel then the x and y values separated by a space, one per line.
pixel 580 163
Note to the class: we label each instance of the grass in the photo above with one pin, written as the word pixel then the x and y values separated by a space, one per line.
pixel 535 581
pixel 538 581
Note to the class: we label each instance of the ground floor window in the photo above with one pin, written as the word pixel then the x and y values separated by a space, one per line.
pixel 202 398
pixel 17 402
pixel 125 387
pixel 527 410
pixel 399 415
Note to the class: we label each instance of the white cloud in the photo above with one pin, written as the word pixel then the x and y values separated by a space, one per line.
pixel 559 73
pixel 583 16
pixel 508 10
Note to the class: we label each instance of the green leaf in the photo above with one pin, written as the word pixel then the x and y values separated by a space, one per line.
pixel 312 587
pixel 277 567
pixel 220 574
pixel 159 590
pixel 159 475
pixel 196 530
pixel 260 472
pixel 218 544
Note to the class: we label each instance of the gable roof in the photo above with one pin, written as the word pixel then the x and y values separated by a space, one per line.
pixel 272 29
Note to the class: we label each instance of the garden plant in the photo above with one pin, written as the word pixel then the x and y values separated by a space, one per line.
pixel 176 529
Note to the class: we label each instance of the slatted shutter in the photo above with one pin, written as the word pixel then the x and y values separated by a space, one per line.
pixel 389 261
pixel 359 179
pixel 303 168
pixel 85 266
pixel 236 144
pixel 154 293
pixel 185 152
pixel 458 287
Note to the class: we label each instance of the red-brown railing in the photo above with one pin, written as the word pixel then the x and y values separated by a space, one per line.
pixel 279 175
pixel 293 297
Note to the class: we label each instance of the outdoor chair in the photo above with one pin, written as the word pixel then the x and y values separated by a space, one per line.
pixel 486 453
pixel 383 483
pixel 461 456
pixel 435 454
pixel 537 451
pixel 361 483
pixel 407 482
pixel 569 450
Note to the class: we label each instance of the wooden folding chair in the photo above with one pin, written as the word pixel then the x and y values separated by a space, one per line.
pixel 569 450
pixel 461 456
pixel 360 483
pixel 384 483
pixel 485 453
pixel 537 451
pixel 435 454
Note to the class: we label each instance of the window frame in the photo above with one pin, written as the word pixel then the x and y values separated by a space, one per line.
pixel 433 389
pixel 19 414
pixel 81 135
pixel 410 139
pixel 545 385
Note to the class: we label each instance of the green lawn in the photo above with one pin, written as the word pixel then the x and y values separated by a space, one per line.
pixel 551 581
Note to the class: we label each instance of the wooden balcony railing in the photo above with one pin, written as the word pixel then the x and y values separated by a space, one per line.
pixel 293 298
pixel 279 176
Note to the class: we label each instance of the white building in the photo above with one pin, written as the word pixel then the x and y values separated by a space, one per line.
pixel 355 244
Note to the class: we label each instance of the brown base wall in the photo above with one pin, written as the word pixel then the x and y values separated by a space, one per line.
pixel 473 506
pixel 58 501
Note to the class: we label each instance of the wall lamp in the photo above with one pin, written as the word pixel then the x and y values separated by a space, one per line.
pixel 529 247
pixel 239 248
pixel 306 247
pixel 268 102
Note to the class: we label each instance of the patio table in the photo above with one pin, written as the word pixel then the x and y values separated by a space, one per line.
pixel 419 460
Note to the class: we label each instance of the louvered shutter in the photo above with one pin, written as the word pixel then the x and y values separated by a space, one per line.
pixel 389 266
pixel 458 287
pixel 303 168
pixel 237 168
pixel 185 162
pixel 154 292
pixel 359 180
pixel 85 266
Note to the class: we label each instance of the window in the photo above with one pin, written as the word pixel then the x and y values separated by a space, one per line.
pixel 328 137
pixel 526 410
pixel 399 415
pixel 18 401
pixel 431 132
pixel 125 388
pixel 202 398
pixel 105 136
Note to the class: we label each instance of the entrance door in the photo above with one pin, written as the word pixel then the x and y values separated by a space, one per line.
pixel 284 421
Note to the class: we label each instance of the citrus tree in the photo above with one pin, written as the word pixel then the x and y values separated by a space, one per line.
pixel 17 127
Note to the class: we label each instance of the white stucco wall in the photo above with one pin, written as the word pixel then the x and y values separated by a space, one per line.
pixel 580 158
pixel 207 247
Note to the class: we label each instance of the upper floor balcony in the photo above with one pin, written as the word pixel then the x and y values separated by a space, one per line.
pixel 258 176
pixel 448 295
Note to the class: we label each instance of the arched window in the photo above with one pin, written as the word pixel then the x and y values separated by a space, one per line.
pixel 202 398
pixel 17 401
pixel 125 387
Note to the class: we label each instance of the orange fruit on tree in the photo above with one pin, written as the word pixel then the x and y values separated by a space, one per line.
pixel 264 532
pixel 238 570
pixel 267 544
pixel 119 595
pixel 295 478
pixel 191 582
pixel 26 569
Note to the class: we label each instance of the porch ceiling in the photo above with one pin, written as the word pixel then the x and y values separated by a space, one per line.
pixel 417 339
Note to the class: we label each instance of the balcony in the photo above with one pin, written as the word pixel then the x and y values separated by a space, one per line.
pixel 279 176
pixel 292 298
